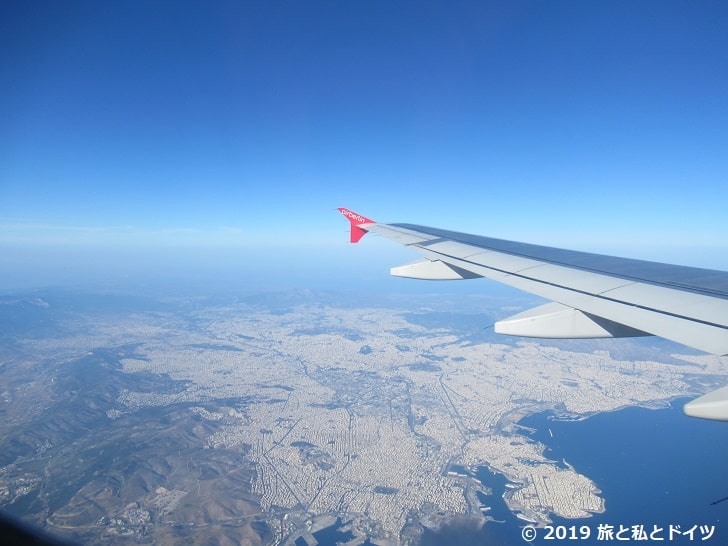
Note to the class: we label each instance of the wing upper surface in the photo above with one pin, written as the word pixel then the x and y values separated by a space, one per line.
pixel 687 278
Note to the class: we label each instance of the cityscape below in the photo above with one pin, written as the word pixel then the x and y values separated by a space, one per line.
pixel 312 417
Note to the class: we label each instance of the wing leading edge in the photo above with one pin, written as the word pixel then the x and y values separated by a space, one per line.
pixel 593 295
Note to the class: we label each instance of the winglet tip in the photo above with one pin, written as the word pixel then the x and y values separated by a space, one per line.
pixel 357 221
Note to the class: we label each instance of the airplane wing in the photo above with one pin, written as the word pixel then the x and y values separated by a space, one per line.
pixel 592 295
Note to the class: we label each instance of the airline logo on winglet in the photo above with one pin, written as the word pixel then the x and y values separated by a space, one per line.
pixel 356 221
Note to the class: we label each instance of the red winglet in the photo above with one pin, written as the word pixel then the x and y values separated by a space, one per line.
pixel 357 221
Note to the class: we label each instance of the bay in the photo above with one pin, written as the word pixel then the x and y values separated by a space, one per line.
pixel 654 467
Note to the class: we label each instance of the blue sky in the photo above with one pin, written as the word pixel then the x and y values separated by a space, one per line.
pixel 242 126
